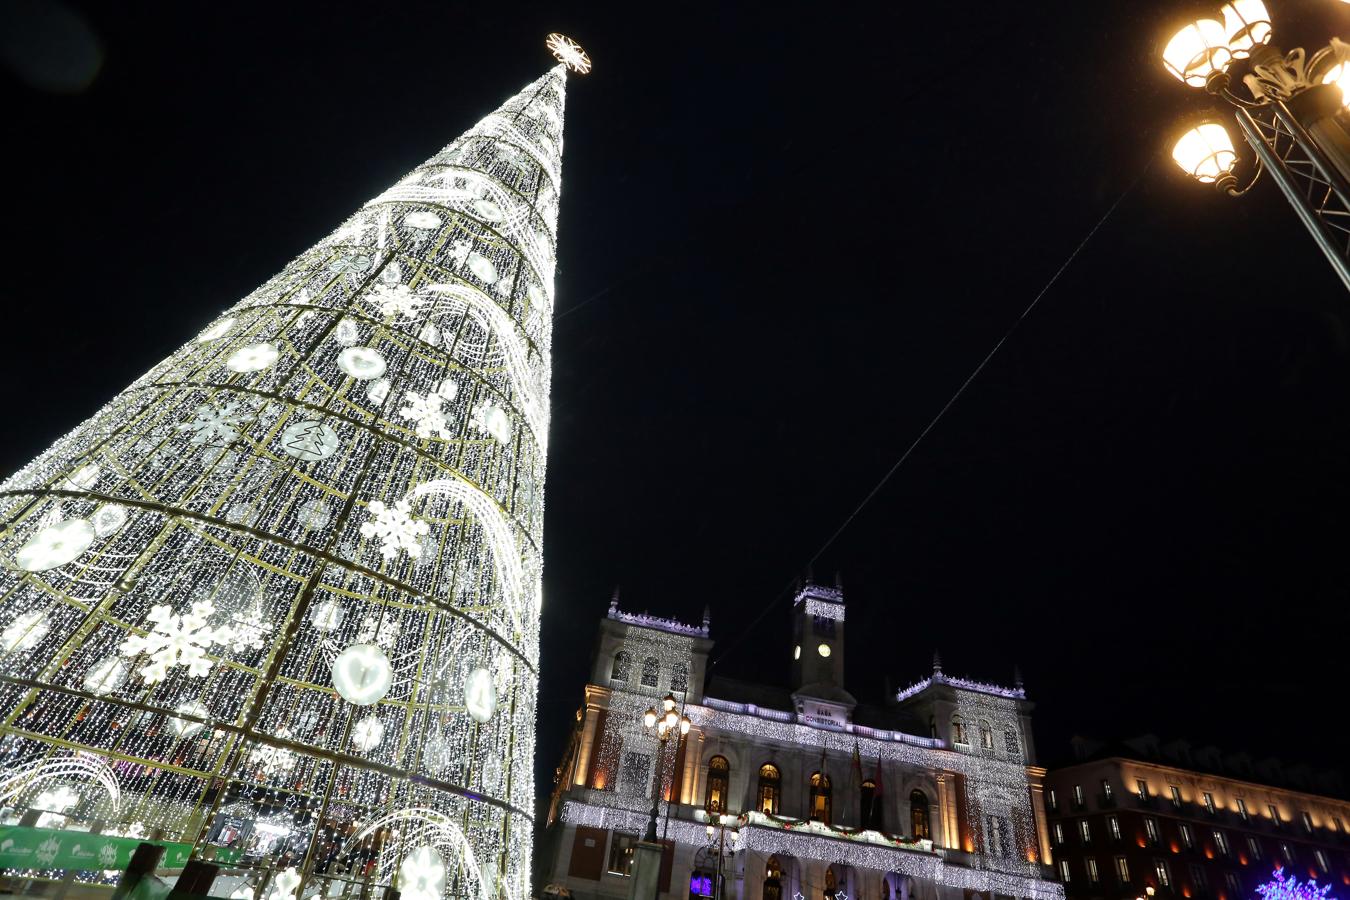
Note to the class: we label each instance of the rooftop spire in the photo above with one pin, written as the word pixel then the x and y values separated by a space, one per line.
pixel 937 663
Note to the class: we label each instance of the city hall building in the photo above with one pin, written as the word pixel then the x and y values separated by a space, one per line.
pixel 796 791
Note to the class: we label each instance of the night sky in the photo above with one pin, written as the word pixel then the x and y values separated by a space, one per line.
pixel 789 233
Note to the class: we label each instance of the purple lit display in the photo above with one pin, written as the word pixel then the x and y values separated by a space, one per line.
pixel 1281 888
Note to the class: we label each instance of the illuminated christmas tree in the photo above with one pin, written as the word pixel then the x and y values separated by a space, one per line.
pixel 1281 888
pixel 282 594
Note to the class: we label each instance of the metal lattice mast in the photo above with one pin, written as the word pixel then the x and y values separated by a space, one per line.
pixel 283 592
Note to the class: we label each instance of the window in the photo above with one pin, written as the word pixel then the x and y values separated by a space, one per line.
pixel 869 809
pixel 1010 742
pixel 1053 802
pixel 1209 802
pixel 623 666
pixel 1064 871
pixel 1106 791
pixel 651 672
pixel 1141 788
pixel 770 789
pixel 679 678
pixel 1307 821
pixel 1122 870
pixel 1242 810
pixel 1234 886
pixel 1151 830
pixel 1187 836
pixel 1336 824
pixel 1059 834
pixel 1198 880
pixel 1176 796
pixel 1274 814
pixel 1078 795
pixel 1253 847
pixel 1164 874
pixel 918 818
pixel 1287 852
pixel 986 736
pixel 719 778
pixel 958 730
pixel 820 797
pixel 1085 831
pixel 1322 861
pixel 700 884
pixel 1113 826
pixel 1220 842
pixel 1093 875
pixel 621 853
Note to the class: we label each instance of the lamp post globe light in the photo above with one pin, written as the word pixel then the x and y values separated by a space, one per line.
pixel 1295 116
pixel 720 830
pixel 664 724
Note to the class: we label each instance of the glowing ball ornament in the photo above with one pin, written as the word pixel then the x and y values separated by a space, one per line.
pixel 362 363
pixel 362 674
pixel 422 219
pixel 218 330
pixel 55 545
pixel 482 267
pixel 253 358
pixel 186 727
pixel 480 695
pixel 421 875
pixel 106 676
pixel 108 519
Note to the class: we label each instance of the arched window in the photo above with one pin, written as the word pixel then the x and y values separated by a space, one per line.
pixel 958 730
pixel 651 672
pixel 770 789
pixel 820 797
pixel 868 805
pixel 773 879
pixel 623 666
pixel 719 778
pixel 986 736
pixel 831 884
pixel 918 816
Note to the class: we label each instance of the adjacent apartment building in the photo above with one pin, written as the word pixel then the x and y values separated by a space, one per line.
pixel 797 790
pixel 1168 819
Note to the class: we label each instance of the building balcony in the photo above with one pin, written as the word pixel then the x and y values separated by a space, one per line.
pixel 1105 801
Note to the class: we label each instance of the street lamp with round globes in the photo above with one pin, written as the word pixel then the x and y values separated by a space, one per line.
pixel 665 723
pixel 1294 117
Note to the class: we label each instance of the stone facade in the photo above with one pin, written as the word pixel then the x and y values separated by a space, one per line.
pixel 798 791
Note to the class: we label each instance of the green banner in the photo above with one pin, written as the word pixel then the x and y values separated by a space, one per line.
pixel 47 848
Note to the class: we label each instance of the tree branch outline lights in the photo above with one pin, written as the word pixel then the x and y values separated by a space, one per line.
pixel 310 441
pixel 362 674
pixel 568 52
pixel 1206 153
pixel 55 545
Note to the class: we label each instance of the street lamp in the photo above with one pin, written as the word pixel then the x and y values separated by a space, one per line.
pixel 1295 117
pixel 717 827
pixel 665 723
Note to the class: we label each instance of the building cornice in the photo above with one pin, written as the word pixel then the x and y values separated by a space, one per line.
pixel 1199 775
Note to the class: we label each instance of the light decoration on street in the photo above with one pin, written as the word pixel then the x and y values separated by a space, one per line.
pixel 361 439
pixel 1292 116
pixel 1281 887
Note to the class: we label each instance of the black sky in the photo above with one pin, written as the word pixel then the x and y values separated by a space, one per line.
pixel 788 233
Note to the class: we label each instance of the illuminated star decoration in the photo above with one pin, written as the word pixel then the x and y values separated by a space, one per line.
pixel 568 52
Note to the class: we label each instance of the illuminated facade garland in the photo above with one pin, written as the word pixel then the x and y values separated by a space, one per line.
pixel 300 557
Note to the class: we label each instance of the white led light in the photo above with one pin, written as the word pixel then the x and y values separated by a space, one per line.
pixel 362 363
pixel 253 358
pixel 362 674
pixel 55 545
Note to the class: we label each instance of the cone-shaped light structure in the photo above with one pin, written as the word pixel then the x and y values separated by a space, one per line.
pixel 284 590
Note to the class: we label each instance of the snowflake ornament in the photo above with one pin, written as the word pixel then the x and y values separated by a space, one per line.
pixel 177 641
pixel 215 425
pixel 376 631
pixel 396 529
pixel 396 300
pixel 273 760
pixel 426 412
